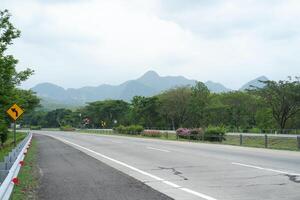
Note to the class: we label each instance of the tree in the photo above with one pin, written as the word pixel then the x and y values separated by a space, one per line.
pixel 283 97
pixel 198 104
pixel 175 105
pixel 9 77
pixel 146 110
pixel 106 111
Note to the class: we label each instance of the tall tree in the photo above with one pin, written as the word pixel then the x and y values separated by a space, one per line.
pixel 9 77
pixel 146 110
pixel 283 97
pixel 175 105
pixel 198 104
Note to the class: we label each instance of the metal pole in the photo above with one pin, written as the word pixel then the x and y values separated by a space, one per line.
pixel 14 133
pixel 266 141
pixel 241 139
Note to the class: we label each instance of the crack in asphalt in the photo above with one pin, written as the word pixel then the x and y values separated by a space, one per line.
pixel 293 178
pixel 174 171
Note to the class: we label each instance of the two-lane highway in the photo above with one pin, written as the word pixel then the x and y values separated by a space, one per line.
pixel 189 171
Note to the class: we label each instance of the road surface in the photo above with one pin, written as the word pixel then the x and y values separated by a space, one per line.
pixel 67 173
pixel 190 171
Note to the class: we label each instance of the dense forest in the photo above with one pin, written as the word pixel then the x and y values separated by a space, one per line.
pixel 276 106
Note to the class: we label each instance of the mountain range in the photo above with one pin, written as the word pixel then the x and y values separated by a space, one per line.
pixel 147 85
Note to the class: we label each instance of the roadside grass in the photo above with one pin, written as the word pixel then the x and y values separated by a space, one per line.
pixel 279 143
pixel 9 144
pixel 28 176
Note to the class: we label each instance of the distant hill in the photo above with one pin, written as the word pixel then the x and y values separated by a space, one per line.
pixel 254 83
pixel 148 84
pixel 216 87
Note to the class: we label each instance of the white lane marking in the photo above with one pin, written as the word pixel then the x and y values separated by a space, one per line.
pixel 163 150
pixel 204 196
pixel 266 169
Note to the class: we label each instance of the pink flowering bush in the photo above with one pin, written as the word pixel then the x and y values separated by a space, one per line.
pixel 183 132
pixel 151 133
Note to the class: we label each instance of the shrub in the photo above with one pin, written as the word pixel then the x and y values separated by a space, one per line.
pixel 135 129
pixel 151 133
pixel 67 128
pixel 214 133
pixel 254 130
pixel 183 133
pixel 132 129
pixel 3 133
pixel 35 127
pixel 196 133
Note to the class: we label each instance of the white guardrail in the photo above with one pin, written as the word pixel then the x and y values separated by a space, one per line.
pixel 7 186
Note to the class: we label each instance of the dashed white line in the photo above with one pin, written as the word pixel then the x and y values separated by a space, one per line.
pixel 163 150
pixel 266 169
pixel 198 194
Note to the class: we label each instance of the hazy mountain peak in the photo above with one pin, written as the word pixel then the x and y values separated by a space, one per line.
pixel 255 83
pixel 216 87
pixel 150 75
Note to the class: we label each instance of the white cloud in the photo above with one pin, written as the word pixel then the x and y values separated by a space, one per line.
pixel 78 43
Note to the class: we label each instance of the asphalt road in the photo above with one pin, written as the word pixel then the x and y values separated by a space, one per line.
pixel 189 171
pixel 67 173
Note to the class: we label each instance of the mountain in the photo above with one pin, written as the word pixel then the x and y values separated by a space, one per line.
pixel 148 84
pixel 254 83
pixel 216 87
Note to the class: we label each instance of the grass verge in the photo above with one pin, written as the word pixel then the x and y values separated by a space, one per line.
pixel 28 176
pixel 9 144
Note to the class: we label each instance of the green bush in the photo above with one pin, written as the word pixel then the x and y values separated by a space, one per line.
pixel 67 128
pixel 3 133
pixel 35 127
pixel 254 130
pixel 214 133
pixel 132 129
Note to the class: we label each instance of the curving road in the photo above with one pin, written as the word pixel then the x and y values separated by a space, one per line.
pixel 190 171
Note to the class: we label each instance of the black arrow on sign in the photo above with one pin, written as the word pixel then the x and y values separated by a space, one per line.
pixel 15 111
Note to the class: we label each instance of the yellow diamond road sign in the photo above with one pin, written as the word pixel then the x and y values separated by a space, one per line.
pixel 15 112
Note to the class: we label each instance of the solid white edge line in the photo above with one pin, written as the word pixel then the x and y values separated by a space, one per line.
pixel 204 196
pixel 266 169
pixel 163 150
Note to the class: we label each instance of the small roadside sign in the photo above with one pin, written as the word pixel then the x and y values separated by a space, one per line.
pixel 15 112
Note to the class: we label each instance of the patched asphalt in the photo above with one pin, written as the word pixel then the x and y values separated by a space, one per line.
pixel 67 173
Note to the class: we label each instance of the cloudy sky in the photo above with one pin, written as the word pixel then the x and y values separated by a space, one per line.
pixel 77 43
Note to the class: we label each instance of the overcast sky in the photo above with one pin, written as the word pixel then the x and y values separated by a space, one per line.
pixel 76 43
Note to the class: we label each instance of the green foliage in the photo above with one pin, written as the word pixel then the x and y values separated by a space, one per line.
pixel 214 133
pixel 9 77
pixel 108 111
pixel 35 127
pixel 174 106
pixel 67 128
pixel 132 129
pixel 283 97
pixel 3 133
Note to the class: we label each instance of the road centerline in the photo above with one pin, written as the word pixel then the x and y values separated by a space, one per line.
pixel 195 193
pixel 163 150
pixel 266 169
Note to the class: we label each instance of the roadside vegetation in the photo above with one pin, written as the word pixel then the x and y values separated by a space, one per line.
pixel 28 176
pixel 271 109
pixel 10 79
pixel 8 145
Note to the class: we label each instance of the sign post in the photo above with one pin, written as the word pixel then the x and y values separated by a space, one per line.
pixel 15 112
